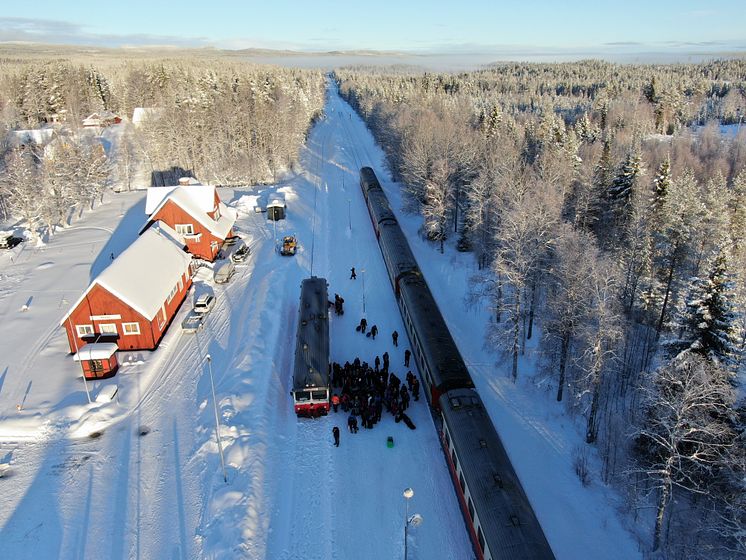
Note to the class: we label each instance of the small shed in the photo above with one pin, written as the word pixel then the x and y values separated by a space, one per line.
pixel 276 208
pixel 98 359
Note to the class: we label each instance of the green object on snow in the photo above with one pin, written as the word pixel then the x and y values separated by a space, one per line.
pixel 390 441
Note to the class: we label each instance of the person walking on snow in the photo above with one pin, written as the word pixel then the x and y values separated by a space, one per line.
pixel 395 338
pixel 335 401
pixel 363 325
pixel 373 332
pixel 407 354
pixel 352 273
pixel 335 433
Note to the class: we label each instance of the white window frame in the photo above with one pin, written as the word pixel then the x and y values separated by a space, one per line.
pixel 134 332
pixel 111 326
pixel 81 328
pixel 184 229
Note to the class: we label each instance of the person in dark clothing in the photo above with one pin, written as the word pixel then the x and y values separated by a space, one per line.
pixel 354 425
pixel 335 433
pixel 335 401
pixel 373 332
pixel 416 389
pixel 351 421
pixel 410 378
pixel 363 325
pixel 395 338
pixel 407 355
pixel 378 363
pixel 386 361
pixel 352 273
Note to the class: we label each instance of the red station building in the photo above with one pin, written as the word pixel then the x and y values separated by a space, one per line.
pixel 133 301
pixel 195 213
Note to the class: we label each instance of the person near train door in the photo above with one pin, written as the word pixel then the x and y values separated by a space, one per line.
pixel 335 433
pixel 395 338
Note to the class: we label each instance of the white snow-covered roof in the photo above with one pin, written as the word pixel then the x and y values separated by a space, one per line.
pixel 142 114
pixel 197 201
pixel 96 351
pixel 203 195
pixel 276 200
pixel 144 274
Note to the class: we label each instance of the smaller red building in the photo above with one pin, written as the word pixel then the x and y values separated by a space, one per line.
pixel 133 301
pixel 98 360
pixel 195 212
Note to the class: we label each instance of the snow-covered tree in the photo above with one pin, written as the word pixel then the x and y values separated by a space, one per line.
pixel 706 324
pixel 685 435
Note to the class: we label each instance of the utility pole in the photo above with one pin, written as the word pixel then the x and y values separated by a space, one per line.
pixel 217 422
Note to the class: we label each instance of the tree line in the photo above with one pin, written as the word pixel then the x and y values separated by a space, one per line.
pixel 227 123
pixel 605 210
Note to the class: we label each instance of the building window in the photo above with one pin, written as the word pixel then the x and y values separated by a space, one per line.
pixel 96 366
pixel 185 229
pixel 131 328
pixel 84 330
pixel 108 328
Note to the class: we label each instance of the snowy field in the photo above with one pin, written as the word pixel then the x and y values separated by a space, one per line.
pixel 150 485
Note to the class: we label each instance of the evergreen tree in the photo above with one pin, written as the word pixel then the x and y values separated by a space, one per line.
pixel 706 323
pixel 627 177
pixel 661 186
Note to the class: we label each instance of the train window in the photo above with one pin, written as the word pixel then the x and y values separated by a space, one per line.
pixel 480 538
pixel 461 482
pixel 455 403
pixel 455 460
pixel 448 439
pixel 302 395
pixel 471 509
pixel 318 395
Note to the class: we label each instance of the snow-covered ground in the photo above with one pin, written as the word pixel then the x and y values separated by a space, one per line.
pixel 150 485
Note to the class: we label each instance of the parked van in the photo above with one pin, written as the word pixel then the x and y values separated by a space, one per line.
pixel 223 272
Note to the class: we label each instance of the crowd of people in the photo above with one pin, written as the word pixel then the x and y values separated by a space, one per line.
pixel 363 391
pixel 366 391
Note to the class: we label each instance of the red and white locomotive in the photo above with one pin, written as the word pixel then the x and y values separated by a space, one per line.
pixel 311 369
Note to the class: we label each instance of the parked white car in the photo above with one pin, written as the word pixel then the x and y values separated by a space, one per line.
pixel 204 304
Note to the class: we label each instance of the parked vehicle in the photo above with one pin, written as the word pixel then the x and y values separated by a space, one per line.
pixel 223 272
pixel 289 245
pixel 9 241
pixel 240 254
pixel 204 304
pixel 193 321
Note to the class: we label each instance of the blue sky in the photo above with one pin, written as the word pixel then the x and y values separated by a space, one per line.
pixel 401 25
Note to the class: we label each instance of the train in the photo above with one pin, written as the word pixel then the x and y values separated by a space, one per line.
pixel 498 515
pixel 311 367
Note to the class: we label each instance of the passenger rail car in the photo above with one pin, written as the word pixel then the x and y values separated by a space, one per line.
pixel 433 347
pixel 311 369
pixel 497 512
